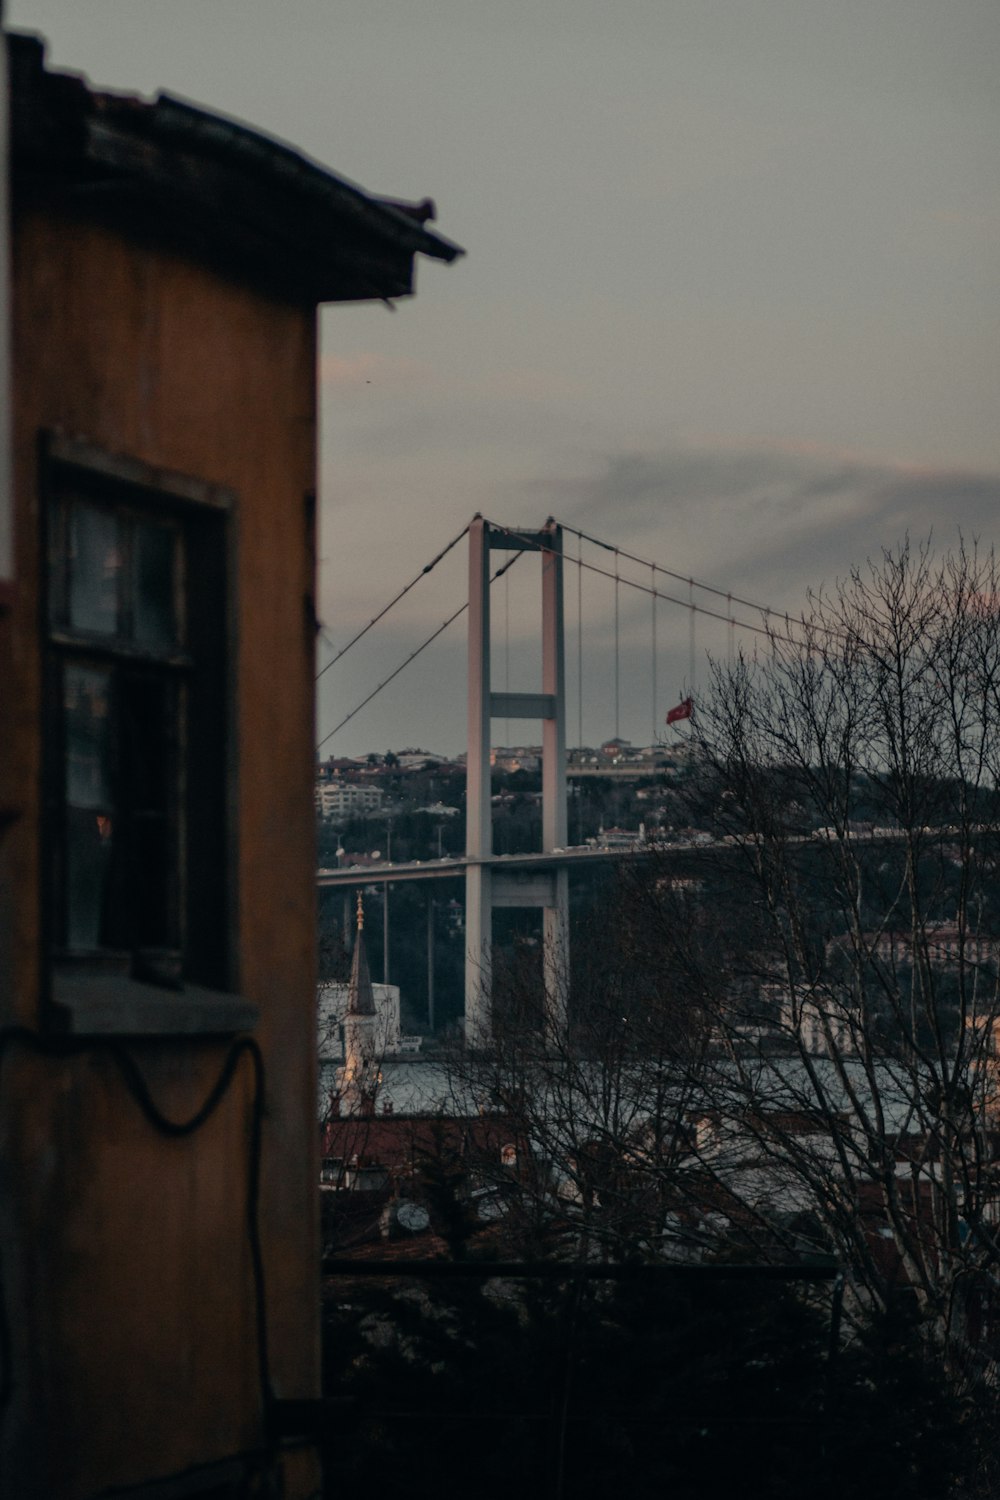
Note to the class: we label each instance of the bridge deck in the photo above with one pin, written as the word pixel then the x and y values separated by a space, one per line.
pixel 444 869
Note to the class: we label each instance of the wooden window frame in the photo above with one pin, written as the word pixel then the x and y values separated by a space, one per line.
pixel 100 993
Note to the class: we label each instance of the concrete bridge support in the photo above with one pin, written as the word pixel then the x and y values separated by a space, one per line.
pixel 486 884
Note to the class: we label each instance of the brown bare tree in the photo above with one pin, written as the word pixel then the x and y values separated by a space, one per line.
pixel 784 1038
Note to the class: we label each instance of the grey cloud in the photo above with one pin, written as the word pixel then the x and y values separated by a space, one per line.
pixel 762 519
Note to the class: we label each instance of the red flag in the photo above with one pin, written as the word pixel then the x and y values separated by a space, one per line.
pixel 682 711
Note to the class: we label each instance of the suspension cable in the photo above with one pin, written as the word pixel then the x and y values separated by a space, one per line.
pixel 763 609
pixel 413 655
pixel 579 642
pixel 506 647
pixel 668 573
pixel 617 656
pixel 644 588
pixel 393 602
pixel 652 579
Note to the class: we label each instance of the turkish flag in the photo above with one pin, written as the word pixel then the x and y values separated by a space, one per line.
pixel 682 711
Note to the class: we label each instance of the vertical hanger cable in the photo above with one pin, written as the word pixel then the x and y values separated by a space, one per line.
pixel 617 653
pixel 655 716
pixel 691 620
pixel 579 642
pixel 506 646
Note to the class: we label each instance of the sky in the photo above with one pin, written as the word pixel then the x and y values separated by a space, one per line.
pixel 730 302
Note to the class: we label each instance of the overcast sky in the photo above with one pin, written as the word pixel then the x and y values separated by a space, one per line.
pixel 731 298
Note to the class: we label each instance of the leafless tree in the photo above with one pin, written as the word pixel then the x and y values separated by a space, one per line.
pixel 787 1036
pixel 847 941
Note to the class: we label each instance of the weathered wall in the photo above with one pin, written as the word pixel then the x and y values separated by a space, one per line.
pixel 125 1256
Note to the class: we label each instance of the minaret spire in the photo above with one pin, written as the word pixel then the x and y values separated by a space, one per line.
pixel 360 1023
pixel 360 995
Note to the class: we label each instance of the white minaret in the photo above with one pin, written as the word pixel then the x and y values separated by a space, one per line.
pixel 360 1076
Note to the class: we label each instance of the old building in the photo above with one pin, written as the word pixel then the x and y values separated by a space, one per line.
pixel 158 1226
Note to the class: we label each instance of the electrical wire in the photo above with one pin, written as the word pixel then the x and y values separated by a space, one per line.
pixel 60 1047
pixel 393 602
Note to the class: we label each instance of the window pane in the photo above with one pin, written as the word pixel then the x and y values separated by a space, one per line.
pixel 153 881
pixel 148 714
pixel 154 608
pixel 148 711
pixel 89 842
pixel 95 564
pixel 87 706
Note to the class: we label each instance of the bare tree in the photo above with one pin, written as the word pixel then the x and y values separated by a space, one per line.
pixel 599 1111
pixel 785 1039
pixel 846 946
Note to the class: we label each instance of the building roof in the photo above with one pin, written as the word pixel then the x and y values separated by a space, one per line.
pixel 210 187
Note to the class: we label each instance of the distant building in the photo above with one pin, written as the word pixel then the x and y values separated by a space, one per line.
pixel 440 810
pixel 511 759
pixel 418 760
pixel 619 838
pixel 942 945
pixel 346 799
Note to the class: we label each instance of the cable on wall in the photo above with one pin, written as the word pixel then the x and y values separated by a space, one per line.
pixel 60 1047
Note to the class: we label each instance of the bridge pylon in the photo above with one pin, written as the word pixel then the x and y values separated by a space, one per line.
pixel 487 885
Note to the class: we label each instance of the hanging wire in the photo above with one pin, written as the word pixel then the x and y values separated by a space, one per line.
pixel 393 602
pixel 731 631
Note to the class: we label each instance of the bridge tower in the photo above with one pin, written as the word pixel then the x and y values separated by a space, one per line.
pixel 486 884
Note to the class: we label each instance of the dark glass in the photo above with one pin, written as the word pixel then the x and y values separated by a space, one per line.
pixel 89 847
pixel 148 712
pixel 154 609
pixel 152 884
pixel 95 566
pixel 87 710
pixel 148 730
pixel 90 817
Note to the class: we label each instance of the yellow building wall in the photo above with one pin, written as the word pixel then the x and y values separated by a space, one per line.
pixel 126 1265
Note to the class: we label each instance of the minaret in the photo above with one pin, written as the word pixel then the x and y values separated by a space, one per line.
pixel 360 1023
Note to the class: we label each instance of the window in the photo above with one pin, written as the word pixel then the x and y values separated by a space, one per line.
pixel 140 854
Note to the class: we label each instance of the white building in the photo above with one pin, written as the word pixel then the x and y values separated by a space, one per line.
pixel 346 799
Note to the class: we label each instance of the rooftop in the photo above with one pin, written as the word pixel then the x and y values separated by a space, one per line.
pixel 209 186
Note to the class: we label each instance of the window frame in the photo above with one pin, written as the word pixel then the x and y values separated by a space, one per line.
pixel 101 992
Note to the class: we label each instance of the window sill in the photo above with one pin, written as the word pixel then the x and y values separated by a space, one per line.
pixel 114 1005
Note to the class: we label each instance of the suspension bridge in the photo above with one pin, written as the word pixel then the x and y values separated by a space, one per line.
pixel 540 879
